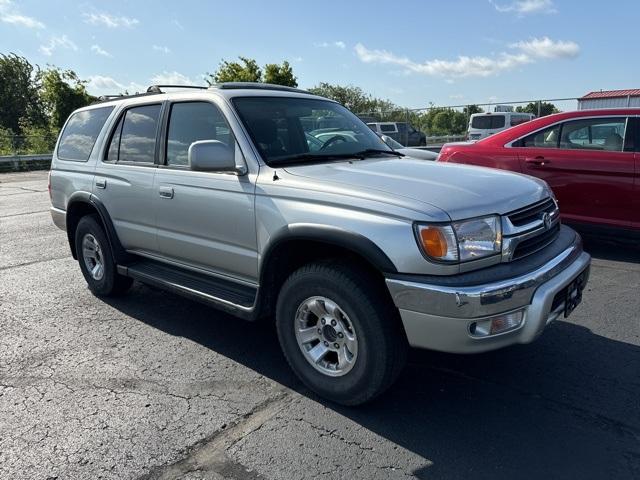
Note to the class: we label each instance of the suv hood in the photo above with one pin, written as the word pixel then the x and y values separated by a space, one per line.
pixel 462 191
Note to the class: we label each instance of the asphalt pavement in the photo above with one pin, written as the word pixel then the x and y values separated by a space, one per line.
pixel 151 385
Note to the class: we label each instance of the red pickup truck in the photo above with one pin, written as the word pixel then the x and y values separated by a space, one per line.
pixel 590 158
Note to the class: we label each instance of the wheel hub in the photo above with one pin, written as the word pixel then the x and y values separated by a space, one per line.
pixel 326 336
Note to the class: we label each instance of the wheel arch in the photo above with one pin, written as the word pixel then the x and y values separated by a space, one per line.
pixel 83 203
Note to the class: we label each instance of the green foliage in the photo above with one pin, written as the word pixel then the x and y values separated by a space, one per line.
pixel 280 74
pixel 62 92
pixel 355 99
pixel 37 140
pixel 6 141
pixel 546 108
pixel 19 100
pixel 246 70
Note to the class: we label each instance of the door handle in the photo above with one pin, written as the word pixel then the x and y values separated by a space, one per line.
pixel 101 182
pixel 166 192
pixel 539 160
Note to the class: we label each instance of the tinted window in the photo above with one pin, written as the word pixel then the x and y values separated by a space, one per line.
pixel 594 134
pixel 387 128
pixel 487 122
pixel 81 132
pixel 138 135
pixel 190 122
pixel 518 119
pixel 276 127
pixel 547 138
pixel 632 135
pixel 114 144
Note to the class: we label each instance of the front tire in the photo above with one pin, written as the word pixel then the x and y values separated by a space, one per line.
pixel 96 259
pixel 340 332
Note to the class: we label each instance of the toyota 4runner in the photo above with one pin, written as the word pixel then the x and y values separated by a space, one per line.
pixel 357 251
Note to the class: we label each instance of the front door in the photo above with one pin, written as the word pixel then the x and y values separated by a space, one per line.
pixel 588 167
pixel 204 219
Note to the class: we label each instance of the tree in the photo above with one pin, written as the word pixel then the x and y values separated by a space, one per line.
pixel 19 101
pixel 471 109
pixel 61 92
pixel 546 108
pixel 246 70
pixel 280 74
pixel 354 98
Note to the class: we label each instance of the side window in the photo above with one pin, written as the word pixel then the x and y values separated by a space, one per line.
pixel 632 135
pixel 81 132
pixel 547 138
pixel 137 135
pixel 114 144
pixel 594 134
pixel 518 119
pixel 193 121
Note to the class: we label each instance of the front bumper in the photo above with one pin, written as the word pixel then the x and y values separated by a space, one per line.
pixel 439 317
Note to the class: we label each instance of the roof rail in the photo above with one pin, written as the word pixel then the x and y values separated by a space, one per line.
pixel 107 98
pixel 256 86
pixel 157 88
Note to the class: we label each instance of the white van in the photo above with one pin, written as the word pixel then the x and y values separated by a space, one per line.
pixel 481 125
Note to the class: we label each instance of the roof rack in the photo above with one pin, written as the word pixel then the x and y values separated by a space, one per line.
pixel 107 98
pixel 157 88
pixel 255 86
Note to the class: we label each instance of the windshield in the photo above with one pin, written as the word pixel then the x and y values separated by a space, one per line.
pixel 302 129
pixel 392 143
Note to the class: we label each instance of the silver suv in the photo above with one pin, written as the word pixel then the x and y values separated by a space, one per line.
pixel 225 195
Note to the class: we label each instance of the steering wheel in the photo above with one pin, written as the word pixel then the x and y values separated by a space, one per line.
pixel 335 138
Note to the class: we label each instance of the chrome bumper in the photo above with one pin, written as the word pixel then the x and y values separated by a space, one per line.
pixel 439 317
pixel 59 218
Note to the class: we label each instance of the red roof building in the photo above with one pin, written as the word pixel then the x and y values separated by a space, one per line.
pixel 610 99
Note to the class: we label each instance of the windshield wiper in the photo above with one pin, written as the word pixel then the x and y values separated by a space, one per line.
pixel 303 157
pixel 375 151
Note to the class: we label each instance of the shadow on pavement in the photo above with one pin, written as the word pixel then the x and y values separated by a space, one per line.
pixel 566 406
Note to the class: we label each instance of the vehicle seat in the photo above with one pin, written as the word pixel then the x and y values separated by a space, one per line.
pixel 265 132
pixel 613 142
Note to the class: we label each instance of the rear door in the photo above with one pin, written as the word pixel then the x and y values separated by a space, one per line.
pixel 589 167
pixel 123 178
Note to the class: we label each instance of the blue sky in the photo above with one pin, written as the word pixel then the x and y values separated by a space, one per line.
pixel 412 52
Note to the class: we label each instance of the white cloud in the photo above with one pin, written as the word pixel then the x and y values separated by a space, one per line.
pixel 463 66
pixel 526 7
pixel 57 42
pixel 546 48
pixel 100 51
pixel 177 24
pixel 457 96
pixel 173 78
pixel 100 84
pixel 110 21
pixel 10 14
pixel 161 48
pixel 337 44
pixel 477 66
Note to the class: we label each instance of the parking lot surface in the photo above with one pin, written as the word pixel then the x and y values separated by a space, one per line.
pixel 151 385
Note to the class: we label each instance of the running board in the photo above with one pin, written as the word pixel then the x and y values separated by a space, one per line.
pixel 231 296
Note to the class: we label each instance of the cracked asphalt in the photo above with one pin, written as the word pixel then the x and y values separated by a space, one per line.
pixel 152 385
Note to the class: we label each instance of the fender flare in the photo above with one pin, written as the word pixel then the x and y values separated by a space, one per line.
pixel 119 253
pixel 349 240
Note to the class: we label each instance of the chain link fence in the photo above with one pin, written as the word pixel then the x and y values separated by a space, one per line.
pixel 435 125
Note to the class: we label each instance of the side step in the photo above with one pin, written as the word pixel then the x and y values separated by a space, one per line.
pixel 231 296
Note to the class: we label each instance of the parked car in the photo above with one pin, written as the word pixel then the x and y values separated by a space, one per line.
pixel 355 251
pixel 401 132
pixel 420 153
pixel 482 125
pixel 589 158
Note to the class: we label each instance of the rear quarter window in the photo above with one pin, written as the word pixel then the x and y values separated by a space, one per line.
pixel 80 133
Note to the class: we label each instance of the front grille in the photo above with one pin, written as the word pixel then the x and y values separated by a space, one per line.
pixel 531 213
pixel 536 243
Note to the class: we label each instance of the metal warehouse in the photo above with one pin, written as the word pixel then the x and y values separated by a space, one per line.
pixel 610 99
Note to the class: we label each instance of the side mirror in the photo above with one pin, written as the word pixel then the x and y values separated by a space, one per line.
pixel 212 156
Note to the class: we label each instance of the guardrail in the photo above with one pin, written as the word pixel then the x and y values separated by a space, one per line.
pixel 17 163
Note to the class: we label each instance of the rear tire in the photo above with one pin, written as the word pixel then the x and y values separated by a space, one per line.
pixel 96 259
pixel 360 348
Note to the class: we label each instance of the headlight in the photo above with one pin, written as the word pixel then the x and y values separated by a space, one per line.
pixel 461 241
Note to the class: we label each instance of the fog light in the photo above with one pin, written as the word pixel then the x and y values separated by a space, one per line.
pixel 498 324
